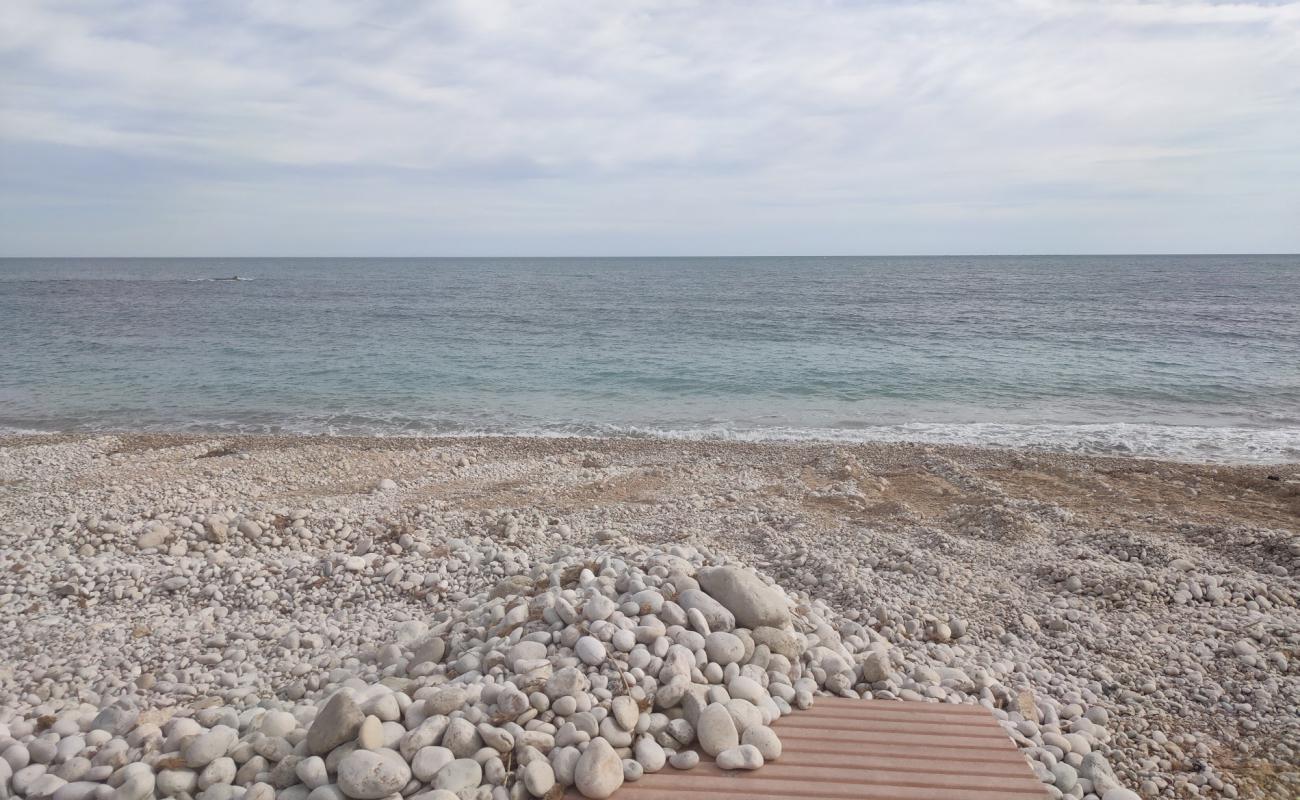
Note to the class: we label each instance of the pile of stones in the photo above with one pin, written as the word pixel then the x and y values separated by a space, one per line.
pixel 588 671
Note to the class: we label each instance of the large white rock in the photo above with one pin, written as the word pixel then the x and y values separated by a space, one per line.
pixel 715 614
pixel 753 602
pixel 716 730
pixel 599 772
pixel 372 774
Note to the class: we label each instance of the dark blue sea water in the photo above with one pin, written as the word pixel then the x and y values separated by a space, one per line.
pixel 1190 357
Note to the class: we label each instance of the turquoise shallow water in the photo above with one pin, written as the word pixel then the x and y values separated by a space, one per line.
pixel 1190 357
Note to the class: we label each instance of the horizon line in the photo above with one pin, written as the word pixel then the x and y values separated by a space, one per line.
pixel 662 256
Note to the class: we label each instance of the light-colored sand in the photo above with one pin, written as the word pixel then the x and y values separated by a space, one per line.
pixel 1164 594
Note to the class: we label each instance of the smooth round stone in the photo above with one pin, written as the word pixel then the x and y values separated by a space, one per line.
pixel 78 790
pixel 372 774
pixel 599 772
pixel 684 759
pixel 23 779
pixel 567 682
pixel 743 688
pixel 178 782
pixel 716 730
pixel 565 706
pixel 205 748
pixel 1121 794
pixel 765 740
pixel 428 760
pixel 525 651
pixel 1066 777
pixel 43 751
pixel 116 719
pixel 139 783
pixel 746 596
pixel 746 756
pixel 278 723
pixel 220 771
pixel 539 777
pixel 312 772
pixel 17 755
pixel 564 760
pixel 461 738
pixel 625 712
pixel 598 607
pixel 446 700
pixel 460 774
pixel 590 650
pixel 624 640
pixel 614 734
pixel 260 791
pixel 45 786
pixel 722 647
pixel 327 792
pixel 744 714
pixel 75 768
pixel 370 736
pixel 649 753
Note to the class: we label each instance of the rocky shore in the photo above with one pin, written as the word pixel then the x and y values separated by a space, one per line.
pixel 316 618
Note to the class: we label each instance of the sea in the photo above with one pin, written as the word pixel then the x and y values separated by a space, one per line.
pixel 1188 357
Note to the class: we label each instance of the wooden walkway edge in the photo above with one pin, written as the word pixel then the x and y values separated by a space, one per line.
pixel 843 749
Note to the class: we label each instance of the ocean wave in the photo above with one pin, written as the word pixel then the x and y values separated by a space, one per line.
pixel 1141 440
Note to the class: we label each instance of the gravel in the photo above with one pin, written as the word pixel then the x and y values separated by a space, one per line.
pixel 257 618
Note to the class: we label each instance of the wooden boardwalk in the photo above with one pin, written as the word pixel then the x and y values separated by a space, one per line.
pixel 869 749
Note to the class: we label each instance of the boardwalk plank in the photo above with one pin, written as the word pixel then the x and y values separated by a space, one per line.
pixel 843 749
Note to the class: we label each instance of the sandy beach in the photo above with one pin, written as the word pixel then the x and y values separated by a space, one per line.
pixel 1133 623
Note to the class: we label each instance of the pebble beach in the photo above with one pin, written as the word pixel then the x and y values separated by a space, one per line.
pixel 325 618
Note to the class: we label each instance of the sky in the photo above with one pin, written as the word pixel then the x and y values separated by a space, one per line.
pixel 647 127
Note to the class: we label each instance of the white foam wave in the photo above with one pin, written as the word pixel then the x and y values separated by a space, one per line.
pixel 1143 440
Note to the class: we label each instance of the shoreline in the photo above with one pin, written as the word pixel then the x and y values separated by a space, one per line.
pixel 18 437
pixel 1163 593
pixel 1177 442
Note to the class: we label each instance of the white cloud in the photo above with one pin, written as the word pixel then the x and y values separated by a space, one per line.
pixel 843 124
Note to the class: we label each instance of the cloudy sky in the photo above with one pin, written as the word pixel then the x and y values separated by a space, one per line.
pixel 490 127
